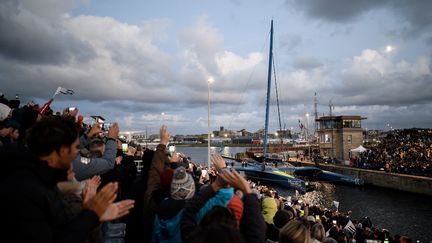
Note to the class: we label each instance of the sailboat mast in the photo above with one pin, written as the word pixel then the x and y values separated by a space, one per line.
pixel 268 90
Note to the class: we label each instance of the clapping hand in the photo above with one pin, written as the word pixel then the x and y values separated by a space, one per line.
pixel 100 202
pixel 117 210
pixel 90 188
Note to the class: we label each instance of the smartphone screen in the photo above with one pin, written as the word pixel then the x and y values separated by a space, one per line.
pixel 317 217
pixel 334 222
pixel 124 147
pixel 171 148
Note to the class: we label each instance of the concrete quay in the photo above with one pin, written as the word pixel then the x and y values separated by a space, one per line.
pixel 402 182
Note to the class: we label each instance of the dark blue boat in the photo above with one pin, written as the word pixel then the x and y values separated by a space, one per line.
pixel 273 176
pixel 316 174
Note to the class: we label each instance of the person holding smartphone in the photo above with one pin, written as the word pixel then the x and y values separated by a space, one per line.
pixel 103 157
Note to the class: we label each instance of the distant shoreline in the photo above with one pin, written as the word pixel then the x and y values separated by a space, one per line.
pixel 249 145
pixel 217 145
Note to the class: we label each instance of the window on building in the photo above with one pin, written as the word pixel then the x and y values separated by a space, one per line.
pixel 327 138
pixel 349 138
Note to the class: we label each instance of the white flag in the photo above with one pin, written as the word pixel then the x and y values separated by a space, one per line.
pixel 336 204
pixel 350 227
pixel 61 90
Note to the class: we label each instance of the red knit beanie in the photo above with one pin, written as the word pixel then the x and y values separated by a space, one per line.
pixel 166 178
pixel 236 205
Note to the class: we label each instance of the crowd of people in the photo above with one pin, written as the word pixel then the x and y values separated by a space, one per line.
pixel 407 151
pixel 65 181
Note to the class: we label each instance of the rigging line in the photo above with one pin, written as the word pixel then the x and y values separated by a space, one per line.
pixel 276 67
pixel 247 86
pixel 277 97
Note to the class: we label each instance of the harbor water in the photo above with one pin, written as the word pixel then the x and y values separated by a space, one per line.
pixel 399 212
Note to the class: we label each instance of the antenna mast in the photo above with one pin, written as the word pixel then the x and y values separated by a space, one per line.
pixel 315 112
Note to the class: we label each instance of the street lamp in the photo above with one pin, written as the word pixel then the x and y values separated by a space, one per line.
pixel 209 81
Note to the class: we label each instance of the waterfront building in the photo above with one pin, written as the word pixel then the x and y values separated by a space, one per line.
pixel 337 135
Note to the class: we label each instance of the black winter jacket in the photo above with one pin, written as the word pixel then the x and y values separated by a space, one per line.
pixel 31 204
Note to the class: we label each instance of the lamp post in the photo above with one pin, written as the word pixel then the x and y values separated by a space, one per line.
pixel 209 81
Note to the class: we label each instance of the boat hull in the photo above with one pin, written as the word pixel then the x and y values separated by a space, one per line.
pixel 316 174
pixel 274 176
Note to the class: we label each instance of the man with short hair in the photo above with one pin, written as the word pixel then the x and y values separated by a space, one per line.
pixel 31 204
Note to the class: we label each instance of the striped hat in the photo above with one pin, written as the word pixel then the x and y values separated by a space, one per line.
pixel 182 185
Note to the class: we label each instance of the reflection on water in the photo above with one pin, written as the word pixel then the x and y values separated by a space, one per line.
pixel 399 212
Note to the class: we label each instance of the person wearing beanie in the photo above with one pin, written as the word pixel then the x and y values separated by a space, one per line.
pixel 4 112
pixel 166 227
pixel 182 185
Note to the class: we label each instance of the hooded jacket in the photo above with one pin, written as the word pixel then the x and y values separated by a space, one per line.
pixel 167 221
pixel 31 202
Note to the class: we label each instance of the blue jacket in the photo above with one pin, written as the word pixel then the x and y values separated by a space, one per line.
pixel 222 198
pixel 167 230
pixel 166 227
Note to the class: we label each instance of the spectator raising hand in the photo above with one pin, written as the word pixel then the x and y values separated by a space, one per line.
pixel 95 130
pixel 131 151
pixel 218 162
pixel 113 131
pixel 164 135
pixel 236 180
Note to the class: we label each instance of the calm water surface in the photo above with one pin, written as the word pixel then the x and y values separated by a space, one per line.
pixel 399 212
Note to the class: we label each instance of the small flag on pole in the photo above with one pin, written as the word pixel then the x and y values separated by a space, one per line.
pixel 61 90
pixel 336 204
pixel 350 228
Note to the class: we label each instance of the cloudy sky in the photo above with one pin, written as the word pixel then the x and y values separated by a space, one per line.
pixel 144 63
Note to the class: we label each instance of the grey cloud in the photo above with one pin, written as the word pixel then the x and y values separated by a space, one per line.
pixel 290 42
pixel 428 41
pixel 306 63
pixel 29 38
pixel 336 10
pixel 393 89
pixel 416 14
pixel 343 31
pixel 417 115
pixel 203 41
